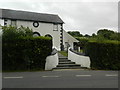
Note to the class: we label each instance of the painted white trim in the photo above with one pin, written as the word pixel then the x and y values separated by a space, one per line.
pixel 83 75
pixel 84 61
pixel 13 77
pixel 111 75
pixel 51 62
pixel 50 76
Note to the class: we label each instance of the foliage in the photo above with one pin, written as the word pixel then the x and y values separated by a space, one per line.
pixel 93 35
pixel 64 53
pixel 104 55
pixel 103 49
pixel 102 34
pixel 108 34
pixel 75 33
pixel 21 51
pixel 26 53
pixel 82 42
pixel 86 35
pixel 11 32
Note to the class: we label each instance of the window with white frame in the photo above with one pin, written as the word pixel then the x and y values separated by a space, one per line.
pixel 55 27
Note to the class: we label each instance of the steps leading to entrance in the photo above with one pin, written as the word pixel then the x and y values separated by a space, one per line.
pixel 64 63
pixel 67 68
pixel 69 62
pixel 68 65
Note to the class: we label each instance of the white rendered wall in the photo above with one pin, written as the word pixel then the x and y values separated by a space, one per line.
pixel 47 28
pixel 84 61
pixel 43 29
pixel 68 38
pixel 51 62
pixel 2 22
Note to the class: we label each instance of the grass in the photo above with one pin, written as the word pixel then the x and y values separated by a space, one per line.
pixel 81 51
pixel 64 53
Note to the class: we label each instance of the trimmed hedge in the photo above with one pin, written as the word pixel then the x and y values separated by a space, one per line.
pixel 104 55
pixel 82 42
pixel 25 53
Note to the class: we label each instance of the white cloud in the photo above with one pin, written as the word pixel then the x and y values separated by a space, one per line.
pixel 87 17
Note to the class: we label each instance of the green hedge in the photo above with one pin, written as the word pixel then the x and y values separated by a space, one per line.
pixel 104 55
pixel 25 53
pixel 82 42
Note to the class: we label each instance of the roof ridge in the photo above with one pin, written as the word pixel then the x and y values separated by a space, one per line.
pixel 28 11
pixel 30 16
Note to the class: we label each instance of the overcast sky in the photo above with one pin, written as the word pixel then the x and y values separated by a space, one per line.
pixel 84 16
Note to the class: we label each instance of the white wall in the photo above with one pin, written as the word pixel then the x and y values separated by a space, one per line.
pixel 43 29
pixel 84 61
pixel 47 28
pixel 51 62
pixel 2 22
pixel 68 38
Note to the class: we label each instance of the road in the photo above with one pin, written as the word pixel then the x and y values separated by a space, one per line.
pixel 61 79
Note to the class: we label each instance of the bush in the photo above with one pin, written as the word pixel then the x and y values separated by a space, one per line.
pixel 104 55
pixel 26 53
pixel 82 42
pixel 11 32
pixel 22 51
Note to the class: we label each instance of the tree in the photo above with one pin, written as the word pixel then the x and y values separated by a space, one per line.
pixel 105 33
pixel 86 35
pixel 11 32
pixel 93 35
pixel 75 33
pixel 108 34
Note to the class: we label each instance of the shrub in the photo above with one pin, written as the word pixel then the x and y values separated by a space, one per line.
pixel 22 51
pixel 26 53
pixel 82 42
pixel 104 55
pixel 11 32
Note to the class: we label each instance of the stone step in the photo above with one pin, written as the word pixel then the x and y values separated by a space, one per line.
pixel 68 65
pixel 63 58
pixel 67 62
pixel 67 68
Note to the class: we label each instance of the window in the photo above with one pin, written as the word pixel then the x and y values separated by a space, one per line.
pixel 13 23
pixel 36 34
pixel 35 24
pixel 55 27
pixel 5 22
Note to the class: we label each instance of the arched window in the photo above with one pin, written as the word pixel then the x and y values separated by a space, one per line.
pixel 36 34
pixel 48 35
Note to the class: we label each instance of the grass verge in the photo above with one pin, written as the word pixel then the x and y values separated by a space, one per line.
pixel 64 53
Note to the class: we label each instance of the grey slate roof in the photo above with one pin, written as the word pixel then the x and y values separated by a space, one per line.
pixel 30 16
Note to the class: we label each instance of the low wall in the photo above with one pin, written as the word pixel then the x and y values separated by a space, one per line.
pixel 52 61
pixel 84 61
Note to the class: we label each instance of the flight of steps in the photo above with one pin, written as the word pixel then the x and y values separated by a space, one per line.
pixel 64 63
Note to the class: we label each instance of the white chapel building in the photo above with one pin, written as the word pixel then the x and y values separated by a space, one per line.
pixel 41 24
